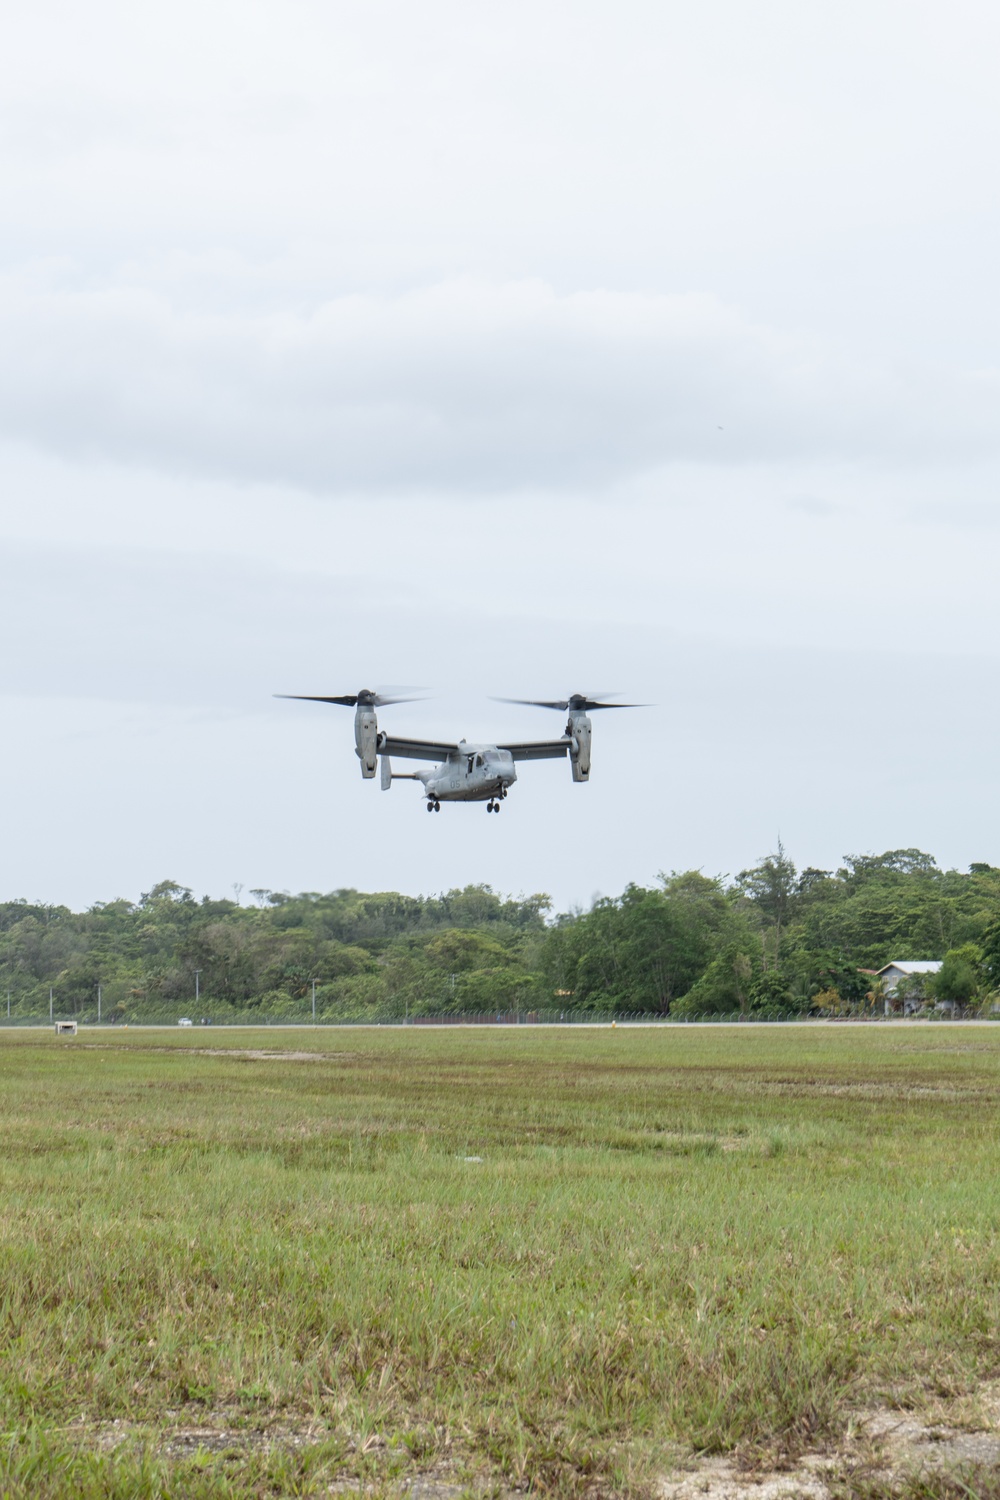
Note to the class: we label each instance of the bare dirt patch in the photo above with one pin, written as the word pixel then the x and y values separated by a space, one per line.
pixel 181 1442
pixel 360 1464
pixel 241 1054
pixel 220 1432
pixel 424 1487
pixel 258 1054
pixel 883 1452
pixel 720 1479
pixel 884 1449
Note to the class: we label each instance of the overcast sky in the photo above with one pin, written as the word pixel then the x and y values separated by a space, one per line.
pixel 517 350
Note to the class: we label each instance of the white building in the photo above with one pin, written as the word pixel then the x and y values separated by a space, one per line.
pixel 906 969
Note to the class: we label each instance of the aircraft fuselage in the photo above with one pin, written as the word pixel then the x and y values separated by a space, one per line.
pixel 478 773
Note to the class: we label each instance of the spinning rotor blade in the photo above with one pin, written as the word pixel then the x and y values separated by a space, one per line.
pixel 394 695
pixel 589 705
pixel 350 700
pixel 578 702
pixel 531 702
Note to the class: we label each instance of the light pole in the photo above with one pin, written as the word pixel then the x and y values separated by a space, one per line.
pixel 197 986
pixel 314 1001
pixel 50 1002
pixel 98 1005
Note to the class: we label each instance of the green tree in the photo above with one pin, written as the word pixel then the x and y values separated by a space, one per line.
pixel 771 990
pixel 639 951
pixel 772 889
pixel 726 984
pixel 991 953
pixel 957 981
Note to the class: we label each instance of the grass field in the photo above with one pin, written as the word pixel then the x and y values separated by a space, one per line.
pixel 261 1262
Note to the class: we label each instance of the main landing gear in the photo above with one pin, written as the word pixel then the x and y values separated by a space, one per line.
pixel 433 806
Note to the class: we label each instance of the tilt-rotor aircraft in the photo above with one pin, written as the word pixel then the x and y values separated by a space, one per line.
pixel 464 773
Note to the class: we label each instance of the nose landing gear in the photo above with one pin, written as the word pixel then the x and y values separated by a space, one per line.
pixel 492 807
pixel 433 806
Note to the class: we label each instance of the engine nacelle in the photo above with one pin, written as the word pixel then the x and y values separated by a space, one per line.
pixel 579 731
pixel 366 739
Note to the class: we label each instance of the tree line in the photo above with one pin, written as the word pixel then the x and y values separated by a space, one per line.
pixel 772 939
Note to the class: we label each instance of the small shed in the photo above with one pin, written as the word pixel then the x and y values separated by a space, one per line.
pixel 65 1028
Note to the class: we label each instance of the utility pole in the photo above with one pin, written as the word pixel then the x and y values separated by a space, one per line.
pixel 8 1005
pixel 98 1005
pixel 314 1002
pixel 50 1002
pixel 197 986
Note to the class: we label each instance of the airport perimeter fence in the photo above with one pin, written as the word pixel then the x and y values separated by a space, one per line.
pixel 478 1018
pixel 443 1018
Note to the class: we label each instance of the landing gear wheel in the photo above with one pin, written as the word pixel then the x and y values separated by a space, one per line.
pixel 430 807
pixel 437 807
pixel 489 807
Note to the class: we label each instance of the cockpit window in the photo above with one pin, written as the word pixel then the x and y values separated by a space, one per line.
pixel 479 760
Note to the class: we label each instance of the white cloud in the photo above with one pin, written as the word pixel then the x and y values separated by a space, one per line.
pixel 467 384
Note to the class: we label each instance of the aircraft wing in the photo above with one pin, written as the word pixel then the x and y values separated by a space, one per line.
pixel 537 749
pixel 407 749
